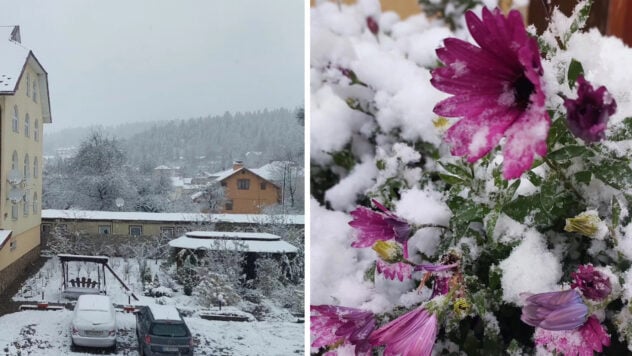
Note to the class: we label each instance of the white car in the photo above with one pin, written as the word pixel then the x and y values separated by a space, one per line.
pixel 93 322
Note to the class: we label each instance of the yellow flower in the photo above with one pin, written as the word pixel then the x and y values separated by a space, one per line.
pixel 441 123
pixel 389 251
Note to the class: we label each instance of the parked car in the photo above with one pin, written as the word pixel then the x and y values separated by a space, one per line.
pixel 93 322
pixel 162 331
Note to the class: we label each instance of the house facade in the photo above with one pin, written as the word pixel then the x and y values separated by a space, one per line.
pixel 24 109
pixel 246 192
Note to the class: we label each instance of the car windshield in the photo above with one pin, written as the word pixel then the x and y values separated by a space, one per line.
pixel 173 330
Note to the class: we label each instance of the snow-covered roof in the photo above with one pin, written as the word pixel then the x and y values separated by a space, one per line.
pixel 162 167
pixel 239 241
pixel 164 312
pixel 171 217
pixel 196 195
pixel 4 237
pixel 12 61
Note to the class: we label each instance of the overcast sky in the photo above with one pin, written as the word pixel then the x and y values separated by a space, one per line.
pixel 117 61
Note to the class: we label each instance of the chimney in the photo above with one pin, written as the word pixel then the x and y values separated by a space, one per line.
pixel 15 34
pixel 238 165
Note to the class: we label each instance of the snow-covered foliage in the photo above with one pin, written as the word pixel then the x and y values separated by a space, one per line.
pixel 498 169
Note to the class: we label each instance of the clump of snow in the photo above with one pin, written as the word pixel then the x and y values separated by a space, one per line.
pixel 530 268
pixel 627 285
pixel 343 195
pixel 429 202
pixel 337 278
pixel 624 244
pixel 508 230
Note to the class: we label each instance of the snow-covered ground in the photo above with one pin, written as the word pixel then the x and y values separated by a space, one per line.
pixel 47 332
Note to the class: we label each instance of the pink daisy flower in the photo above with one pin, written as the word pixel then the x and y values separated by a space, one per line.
pixel 334 326
pixel 497 90
pixel 397 270
pixel 413 333
pixel 583 341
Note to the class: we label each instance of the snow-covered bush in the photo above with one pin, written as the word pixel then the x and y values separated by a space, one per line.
pixel 471 184
pixel 215 289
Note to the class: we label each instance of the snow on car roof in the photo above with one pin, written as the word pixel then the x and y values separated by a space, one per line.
pixel 164 312
pixel 172 217
pixel 93 302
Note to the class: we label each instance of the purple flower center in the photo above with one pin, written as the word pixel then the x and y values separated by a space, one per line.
pixel 523 88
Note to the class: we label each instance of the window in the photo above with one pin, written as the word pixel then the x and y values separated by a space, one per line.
pixel 243 184
pixel 14 211
pixel 105 229
pixel 35 204
pixel 16 119
pixel 35 168
pixel 223 183
pixel 35 90
pixel 27 206
pixel 135 230
pixel 14 160
pixel 264 185
pixel 36 130
pixel 13 245
pixel 228 205
pixel 27 167
pixel 28 84
pixel 27 125
pixel 167 231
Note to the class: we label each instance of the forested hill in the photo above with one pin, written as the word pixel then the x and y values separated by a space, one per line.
pixel 210 143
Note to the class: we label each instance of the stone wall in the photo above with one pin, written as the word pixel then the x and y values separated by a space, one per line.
pixel 18 268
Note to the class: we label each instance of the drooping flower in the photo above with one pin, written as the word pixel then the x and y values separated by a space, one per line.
pixel 397 270
pixel 587 116
pixel 443 276
pixel 372 226
pixel 333 326
pixel 497 91
pixel 555 310
pixel 413 333
pixel 588 224
pixel 592 283
pixel 584 341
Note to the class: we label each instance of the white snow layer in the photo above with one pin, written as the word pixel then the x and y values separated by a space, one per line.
pixel 530 268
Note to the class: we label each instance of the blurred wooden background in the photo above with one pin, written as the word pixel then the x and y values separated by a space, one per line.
pixel 611 17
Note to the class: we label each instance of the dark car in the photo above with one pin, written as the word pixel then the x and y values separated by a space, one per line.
pixel 162 331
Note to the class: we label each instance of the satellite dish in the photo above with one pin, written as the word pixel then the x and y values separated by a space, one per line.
pixel 119 202
pixel 15 195
pixel 14 177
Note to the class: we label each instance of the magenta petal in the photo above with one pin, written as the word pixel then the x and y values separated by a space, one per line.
pixel 526 138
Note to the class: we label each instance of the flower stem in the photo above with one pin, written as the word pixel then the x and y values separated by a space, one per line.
pixel 422 226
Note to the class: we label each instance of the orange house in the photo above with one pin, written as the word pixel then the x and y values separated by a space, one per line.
pixel 247 192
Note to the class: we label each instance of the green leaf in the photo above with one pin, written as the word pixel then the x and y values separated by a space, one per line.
pixel 616 174
pixel 616 212
pixel 583 177
pixel 344 159
pixel 580 21
pixel 457 170
pixel 575 69
pixel 369 274
pixel 450 179
pixel 568 152
pixel 534 178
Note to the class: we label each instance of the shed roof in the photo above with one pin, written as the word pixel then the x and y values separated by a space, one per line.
pixel 233 241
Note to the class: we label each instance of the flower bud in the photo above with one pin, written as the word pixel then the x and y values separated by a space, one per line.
pixel 372 25
pixel 389 251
